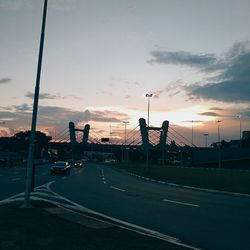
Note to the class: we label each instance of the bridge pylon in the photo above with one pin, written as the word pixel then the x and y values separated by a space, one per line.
pixel 144 129
pixel 72 133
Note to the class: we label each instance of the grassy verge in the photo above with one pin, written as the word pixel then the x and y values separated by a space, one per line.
pixel 229 180
pixel 37 229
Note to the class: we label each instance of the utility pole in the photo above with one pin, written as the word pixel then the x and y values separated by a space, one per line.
pixel 30 167
pixel 219 145
pixel 239 117
pixel 206 135
pixel 148 95
pixel 110 134
pixel 125 139
pixel 192 133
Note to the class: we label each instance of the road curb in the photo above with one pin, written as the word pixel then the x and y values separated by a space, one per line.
pixel 182 186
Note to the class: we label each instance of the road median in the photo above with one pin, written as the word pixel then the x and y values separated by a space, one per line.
pixel 225 180
pixel 46 227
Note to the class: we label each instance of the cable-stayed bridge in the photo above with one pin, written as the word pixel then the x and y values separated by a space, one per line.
pixel 159 143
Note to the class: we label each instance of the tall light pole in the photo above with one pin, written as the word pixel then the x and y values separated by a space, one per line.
pixel 30 169
pixel 206 135
pixel 219 144
pixel 110 134
pixel 55 134
pixel 125 131
pixel 192 133
pixel 149 95
pixel 239 117
pixel 125 138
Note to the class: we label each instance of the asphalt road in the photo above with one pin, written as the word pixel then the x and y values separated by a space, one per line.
pixel 200 219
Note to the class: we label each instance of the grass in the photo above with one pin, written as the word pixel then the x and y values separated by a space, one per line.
pixel 35 228
pixel 230 180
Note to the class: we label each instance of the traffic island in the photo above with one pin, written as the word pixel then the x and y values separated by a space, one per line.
pixel 225 180
pixel 46 227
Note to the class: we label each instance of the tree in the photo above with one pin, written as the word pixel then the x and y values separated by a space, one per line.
pixel 23 138
pixel 225 144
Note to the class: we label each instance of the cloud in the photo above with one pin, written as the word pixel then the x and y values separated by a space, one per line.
pixel 172 89
pixel 182 58
pixel 245 114
pixel 103 92
pixel 51 96
pixel 233 83
pixel 5 80
pixel 210 114
pixel 15 4
pixel 23 107
pixel 215 108
pixel 59 5
pixel 232 113
pixel 132 83
pixel 17 108
pixel 19 117
pixel 108 116
pixel 5 132
pixel 41 96
pixel 71 96
pixel 226 91
pixel 194 121
pixel 232 80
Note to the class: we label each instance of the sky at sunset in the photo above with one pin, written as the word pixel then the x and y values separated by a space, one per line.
pixel 102 56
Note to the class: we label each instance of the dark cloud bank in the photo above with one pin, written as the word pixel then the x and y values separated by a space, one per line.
pixel 57 116
pixel 232 83
pixel 5 80
pixel 48 96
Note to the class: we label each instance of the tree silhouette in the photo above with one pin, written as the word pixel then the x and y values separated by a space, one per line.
pixel 22 140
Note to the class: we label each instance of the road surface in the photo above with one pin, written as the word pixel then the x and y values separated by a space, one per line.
pixel 200 219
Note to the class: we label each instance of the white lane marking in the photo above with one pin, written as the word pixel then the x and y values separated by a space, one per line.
pixel 119 189
pixel 102 175
pixel 123 224
pixel 20 196
pixel 80 208
pixel 161 182
pixel 42 194
pixel 16 179
pixel 195 188
pixel 181 203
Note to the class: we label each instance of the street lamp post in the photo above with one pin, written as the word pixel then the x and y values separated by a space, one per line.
pixel 148 96
pixel 239 117
pixel 125 138
pixel 30 168
pixel 55 134
pixel 110 141
pixel 125 131
pixel 219 145
pixel 192 133
pixel 206 135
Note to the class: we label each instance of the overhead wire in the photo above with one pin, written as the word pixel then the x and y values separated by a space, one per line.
pixel 189 142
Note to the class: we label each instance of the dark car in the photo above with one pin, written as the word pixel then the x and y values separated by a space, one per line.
pixel 60 167
pixel 78 164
